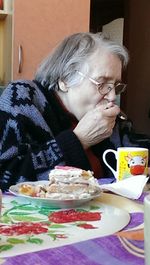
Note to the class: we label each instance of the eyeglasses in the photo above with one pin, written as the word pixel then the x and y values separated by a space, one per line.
pixel 104 88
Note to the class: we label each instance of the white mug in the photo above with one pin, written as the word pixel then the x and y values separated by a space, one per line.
pixel 147 229
pixel 130 161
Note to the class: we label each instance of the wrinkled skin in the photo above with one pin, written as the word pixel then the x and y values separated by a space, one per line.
pixel 96 113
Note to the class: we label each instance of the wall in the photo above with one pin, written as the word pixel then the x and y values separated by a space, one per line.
pixel 114 30
pixel 137 39
pixel 40 24
pixel 5 42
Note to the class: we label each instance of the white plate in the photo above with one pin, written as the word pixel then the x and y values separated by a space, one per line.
pixel 112 220
pixel 48 202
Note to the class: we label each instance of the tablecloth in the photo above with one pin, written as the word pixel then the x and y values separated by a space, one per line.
pixel 121 248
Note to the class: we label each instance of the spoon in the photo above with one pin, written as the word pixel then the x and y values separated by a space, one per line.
pixel 122 115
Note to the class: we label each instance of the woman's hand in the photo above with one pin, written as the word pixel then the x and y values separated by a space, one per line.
pixel 96 125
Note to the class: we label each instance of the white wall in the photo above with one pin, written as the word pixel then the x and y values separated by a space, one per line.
pixel 114 30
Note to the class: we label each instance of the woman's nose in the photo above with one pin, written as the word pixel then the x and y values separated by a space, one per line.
pixel 111 96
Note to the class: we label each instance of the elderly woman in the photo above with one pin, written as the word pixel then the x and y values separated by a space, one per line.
pixel 67 114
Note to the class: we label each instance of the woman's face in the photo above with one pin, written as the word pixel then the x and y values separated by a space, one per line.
pixel 103 66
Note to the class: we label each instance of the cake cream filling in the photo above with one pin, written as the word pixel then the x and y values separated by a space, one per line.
pixel 65 184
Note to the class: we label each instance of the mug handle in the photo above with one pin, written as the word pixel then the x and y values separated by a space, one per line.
pixel 105 161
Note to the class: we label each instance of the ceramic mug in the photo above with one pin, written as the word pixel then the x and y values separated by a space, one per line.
pixel 147 229
pixel 131 161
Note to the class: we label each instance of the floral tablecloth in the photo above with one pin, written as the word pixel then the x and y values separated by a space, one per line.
pixel 27 236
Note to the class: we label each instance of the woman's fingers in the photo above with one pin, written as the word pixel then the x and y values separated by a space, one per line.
pixel 112 111
pixel 95 126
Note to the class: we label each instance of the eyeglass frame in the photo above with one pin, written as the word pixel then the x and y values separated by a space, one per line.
pixel 99 88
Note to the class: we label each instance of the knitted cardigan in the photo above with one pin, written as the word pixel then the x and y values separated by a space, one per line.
pixel 36 135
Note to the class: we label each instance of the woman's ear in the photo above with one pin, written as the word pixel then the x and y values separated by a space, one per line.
pixel 62 86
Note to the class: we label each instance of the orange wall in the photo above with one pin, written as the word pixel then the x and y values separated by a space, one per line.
pixel 40 24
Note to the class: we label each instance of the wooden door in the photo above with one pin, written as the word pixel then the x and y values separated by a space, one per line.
pixel 136 101
pixel 38 25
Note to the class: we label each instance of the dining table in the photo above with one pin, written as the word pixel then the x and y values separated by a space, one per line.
pixel 113 232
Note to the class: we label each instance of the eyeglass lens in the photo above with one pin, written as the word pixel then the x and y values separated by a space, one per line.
pixel 120 88
pixel 106 88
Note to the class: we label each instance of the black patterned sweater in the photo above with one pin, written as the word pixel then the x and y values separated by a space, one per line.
pixel 36 135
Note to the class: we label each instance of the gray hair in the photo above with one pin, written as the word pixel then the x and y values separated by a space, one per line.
pixel 72 55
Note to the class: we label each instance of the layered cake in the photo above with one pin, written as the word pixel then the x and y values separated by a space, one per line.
pixel 65 183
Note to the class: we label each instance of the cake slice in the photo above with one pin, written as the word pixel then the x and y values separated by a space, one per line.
pixel 64 183
pixel 72 183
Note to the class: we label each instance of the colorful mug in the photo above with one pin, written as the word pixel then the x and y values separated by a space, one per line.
pixel 131 161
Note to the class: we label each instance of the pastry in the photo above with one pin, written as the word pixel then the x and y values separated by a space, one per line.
pixel 64 183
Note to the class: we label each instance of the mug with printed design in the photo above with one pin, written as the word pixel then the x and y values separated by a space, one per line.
pixel 130 161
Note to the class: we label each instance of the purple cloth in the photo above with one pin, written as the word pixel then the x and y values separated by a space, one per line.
pixel 106 180
pixel 100 251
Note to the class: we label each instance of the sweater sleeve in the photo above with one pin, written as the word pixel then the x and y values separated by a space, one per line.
pixel 72 150
pixel 27 145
